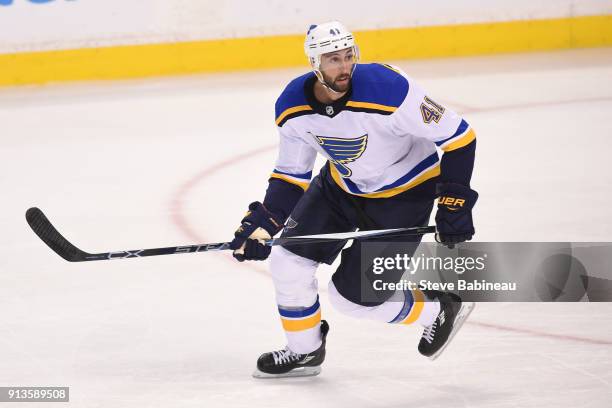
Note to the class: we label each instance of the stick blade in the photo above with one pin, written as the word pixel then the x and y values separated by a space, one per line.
pixel 41 225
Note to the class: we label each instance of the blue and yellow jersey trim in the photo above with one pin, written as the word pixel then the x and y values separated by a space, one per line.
pixel 377 88
pixel 300 180
pixel 425 170
pixel 292 112
pixel 462 137
pixel 292 101
pixel 303 319
pixel 370 107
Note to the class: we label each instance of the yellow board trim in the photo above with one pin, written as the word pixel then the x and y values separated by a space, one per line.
pixel 137 61
pixel 464 140
pixel 302 324
pixel 431 173
pixel 369 105
pixel 304 185
pixel 289 111
pixel 417 307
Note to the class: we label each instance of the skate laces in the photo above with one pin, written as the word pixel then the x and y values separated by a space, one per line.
pixel 430 332
pixel 284 356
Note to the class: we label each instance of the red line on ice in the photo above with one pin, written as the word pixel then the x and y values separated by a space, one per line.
pixel 176 204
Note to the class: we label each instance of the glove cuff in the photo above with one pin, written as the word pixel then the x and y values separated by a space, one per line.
pixel 455 197
pixel 264 218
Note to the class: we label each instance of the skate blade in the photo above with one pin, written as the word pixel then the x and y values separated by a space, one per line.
pixel 296 372
pixel 462 315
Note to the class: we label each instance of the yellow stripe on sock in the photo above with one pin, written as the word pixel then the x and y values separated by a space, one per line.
pixel 302 324
pixel 417 307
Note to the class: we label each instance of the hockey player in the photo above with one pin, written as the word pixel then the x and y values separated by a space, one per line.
pixel 379 132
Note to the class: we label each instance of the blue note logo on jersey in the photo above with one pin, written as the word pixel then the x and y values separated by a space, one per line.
pixel 343 151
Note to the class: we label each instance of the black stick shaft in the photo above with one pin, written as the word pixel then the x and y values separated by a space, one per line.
pixel 41 225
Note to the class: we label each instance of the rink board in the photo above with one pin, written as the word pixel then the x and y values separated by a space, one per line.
pixel 236 54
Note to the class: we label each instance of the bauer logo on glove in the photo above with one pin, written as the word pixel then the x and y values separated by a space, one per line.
pixel 454 222
pixel 451 203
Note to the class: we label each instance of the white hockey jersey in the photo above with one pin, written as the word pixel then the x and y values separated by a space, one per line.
pixel 380 138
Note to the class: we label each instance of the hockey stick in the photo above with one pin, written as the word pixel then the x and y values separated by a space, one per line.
pixel 41 225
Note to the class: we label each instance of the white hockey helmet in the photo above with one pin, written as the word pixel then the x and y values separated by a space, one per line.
pixel 324 38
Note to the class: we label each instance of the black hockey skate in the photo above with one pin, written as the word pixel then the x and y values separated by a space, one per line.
pixel 453 312
pixel 286 363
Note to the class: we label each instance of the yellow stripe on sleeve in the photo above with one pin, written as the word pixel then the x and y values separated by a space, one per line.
pixel 369 105
pixel 464 140
pixel 289 111
pixel 302 324
pixel 303 185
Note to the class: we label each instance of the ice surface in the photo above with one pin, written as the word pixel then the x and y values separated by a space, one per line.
pixel 173 161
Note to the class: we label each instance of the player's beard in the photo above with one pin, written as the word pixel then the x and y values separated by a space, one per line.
pixel 336 85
